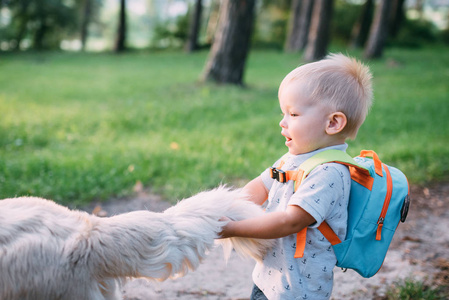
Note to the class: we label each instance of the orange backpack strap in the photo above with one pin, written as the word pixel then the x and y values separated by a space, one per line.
pixel 329 234
pixel 324 228
pixel 300 243
pixel 305 168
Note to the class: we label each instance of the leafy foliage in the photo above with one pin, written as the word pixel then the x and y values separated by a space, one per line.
pixel 416 33
pixel 44 23
pixel 344 18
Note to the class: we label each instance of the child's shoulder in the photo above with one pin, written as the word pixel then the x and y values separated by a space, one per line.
pixel 329 173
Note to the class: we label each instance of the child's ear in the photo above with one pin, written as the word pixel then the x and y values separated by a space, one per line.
pixel 336 123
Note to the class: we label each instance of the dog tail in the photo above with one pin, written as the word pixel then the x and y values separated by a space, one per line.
pixel 220 202
pixel 169 244
pixel 240 209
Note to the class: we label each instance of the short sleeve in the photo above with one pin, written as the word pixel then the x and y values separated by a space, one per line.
pixel 322 191
pixel 266 178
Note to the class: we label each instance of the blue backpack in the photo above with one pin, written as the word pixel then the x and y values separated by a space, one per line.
pixel 378 200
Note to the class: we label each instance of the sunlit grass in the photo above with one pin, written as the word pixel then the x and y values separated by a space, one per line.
pixel 77 127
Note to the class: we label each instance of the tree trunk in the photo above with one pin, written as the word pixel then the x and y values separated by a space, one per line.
pixel 396 17
pixel 212 22
pixel 87 13
pixel 120 44
pixel 227 58
pixel 41 31
pixel 319 34
pixel 379 30
pixel 293 26
pixel 361 27
pixel 195 22
pixel 299 25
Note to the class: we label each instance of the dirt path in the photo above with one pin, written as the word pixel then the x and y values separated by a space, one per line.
pixel 419 250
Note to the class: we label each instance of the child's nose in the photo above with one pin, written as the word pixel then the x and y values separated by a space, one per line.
pixel 283 123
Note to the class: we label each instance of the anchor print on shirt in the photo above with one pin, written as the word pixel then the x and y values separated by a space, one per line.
pixel 305 296
pixel 291 268
pixel 317 201
pixel 304 261
pixel 312 187
pixel 313 255
pixel 287 287
pixel 324 269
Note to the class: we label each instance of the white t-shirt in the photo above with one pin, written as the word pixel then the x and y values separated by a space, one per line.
pixel 324 194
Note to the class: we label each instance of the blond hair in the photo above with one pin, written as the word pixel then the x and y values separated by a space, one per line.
pixel 339 81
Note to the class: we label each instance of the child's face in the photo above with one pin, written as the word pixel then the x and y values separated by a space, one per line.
pixel 304 122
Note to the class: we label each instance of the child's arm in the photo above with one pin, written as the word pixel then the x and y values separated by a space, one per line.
pixel 270 226
pixel 256 191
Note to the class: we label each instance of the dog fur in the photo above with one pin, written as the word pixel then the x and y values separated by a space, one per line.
pixel 50 252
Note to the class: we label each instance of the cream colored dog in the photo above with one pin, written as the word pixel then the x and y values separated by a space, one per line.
pixel 50 252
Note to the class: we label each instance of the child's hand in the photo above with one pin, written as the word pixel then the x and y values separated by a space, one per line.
pixel 225 229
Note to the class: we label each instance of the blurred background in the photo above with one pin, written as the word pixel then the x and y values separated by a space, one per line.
pixel 93 25
pixel 106 98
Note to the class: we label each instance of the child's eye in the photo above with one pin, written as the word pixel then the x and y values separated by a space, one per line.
pixel 294 115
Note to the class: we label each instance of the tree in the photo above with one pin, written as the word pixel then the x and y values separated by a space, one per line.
pixel 396 17
pixel 319 34
pixel 212 21
pixel 361 28
pixel 48 21
pixel 379 30
pixel 86 18
pixel 301 13
pixel 89 13
pixel 230 48
pixel 120 43
pixel 194 27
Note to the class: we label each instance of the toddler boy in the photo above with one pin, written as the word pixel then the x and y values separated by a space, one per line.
pixel 323 103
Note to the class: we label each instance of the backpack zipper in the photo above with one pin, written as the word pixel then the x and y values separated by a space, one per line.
pixel 383 213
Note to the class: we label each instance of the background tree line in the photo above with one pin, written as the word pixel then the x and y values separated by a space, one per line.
pixel 228 27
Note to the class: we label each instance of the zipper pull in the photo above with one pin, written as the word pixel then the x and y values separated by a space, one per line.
pixel 380 224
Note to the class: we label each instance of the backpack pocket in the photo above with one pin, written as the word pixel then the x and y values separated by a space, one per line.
pixel 352 253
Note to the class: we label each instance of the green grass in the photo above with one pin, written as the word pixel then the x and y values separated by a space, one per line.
pixel 410 289
pixel 77 127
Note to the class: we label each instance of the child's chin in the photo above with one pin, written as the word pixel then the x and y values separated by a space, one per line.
pixel 293 152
